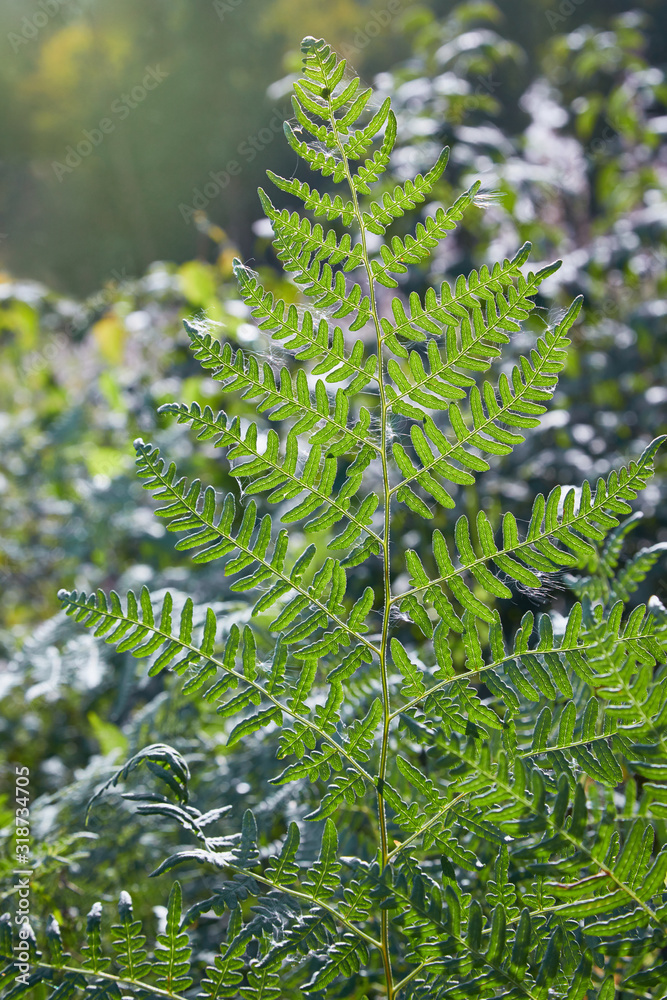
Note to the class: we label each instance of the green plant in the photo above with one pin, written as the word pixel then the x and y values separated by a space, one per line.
pixel 504 797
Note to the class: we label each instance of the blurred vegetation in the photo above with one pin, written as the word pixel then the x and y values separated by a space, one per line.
pixel 564 120
pixel 117 209
pixel 73 220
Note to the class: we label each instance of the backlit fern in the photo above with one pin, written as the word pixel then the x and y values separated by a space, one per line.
pixel 515 785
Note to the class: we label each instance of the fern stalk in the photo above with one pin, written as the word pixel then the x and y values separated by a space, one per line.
pixel 384 541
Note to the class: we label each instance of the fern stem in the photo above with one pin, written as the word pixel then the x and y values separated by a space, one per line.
pixel 386 558
pixel 407 979
pixel 565 746
pixel 386 570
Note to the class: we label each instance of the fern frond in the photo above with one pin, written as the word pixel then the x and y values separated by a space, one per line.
pixel 614 544
pixel 129 941
pixel 262 985
pixel 486 308
pixel 322 70
pixel 61 977
pixel 318 204
pixel 164 762
pixel 403 198
pixel 308 337
pixel 189 511
pixel 243 856
pixel 589 516
pixel 267 470
pixel 417 248
pixel 602 655
pixel 522 403
pixel 456 955
pixel 355 741
pixel 55 942
pixel 503 789
pixel 345 956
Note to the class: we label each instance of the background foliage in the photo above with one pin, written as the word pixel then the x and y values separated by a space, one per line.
pixel 561 120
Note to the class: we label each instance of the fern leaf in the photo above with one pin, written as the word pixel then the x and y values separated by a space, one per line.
pixel 297 237
pixel 372 168
pixel 129 941
pixel 95 959
pixel 282 396
pixel 344 958
pixel 309 337
pixel 522 402
pixel 172 949
pixel 213 529
pixel 415 249
pixel 474 320
pixel 324 877
pixel 268 470
pixel 613 545
pixel 403 198
pixel 635 571
pixel 593 515
pixel 328 164
pixel 223 979
pixel 361 139
pixel 319 204
pixel 165 763
pixel 413 684
pixel 283 870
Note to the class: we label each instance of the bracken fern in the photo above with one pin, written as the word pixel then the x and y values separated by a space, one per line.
pixel 514 786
